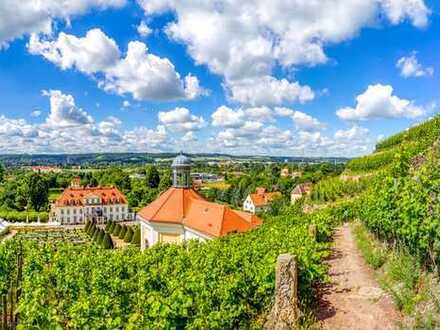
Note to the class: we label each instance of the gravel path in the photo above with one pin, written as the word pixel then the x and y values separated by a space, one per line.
pixel 353 300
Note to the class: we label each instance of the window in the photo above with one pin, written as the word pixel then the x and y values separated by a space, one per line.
pixel 67 211
pixel 74 211
pixel 117 209
pixel 122 209
pixel 62 211
pixel 111 209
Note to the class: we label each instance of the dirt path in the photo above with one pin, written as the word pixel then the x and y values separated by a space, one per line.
pixel 353 300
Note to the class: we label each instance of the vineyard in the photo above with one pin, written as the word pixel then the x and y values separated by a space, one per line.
pixel 412 142
pixel 332 189
pixel 222 284
pixel 75 236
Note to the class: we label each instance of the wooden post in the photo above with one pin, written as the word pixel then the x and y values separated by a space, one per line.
pixel 285 312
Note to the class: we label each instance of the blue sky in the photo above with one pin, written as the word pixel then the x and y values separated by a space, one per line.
pixel 292 78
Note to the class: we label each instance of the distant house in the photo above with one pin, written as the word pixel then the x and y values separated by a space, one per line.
pixel 296 174
pixel 260 200
pixel 78 204
pixel 46 169
pixel 300 191
pixel 181 213
pixel 284 172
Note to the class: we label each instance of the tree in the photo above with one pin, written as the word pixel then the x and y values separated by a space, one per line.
pixel 165 181
pixel 116 230
pixel 2 172
pixel 87 226
pixel 107 242
pixel 152 177
pixel 129 235
pixel 137 237
pixel 122 232
pixel 37 190
pixel 100 237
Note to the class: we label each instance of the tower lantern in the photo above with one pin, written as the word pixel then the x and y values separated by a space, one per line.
pixel 181 172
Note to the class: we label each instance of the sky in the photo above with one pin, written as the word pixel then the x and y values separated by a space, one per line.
pixel 250 77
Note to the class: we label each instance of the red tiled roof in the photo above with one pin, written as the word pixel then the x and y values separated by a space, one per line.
pixel 187 207
pixel 263 199
pixel 75 196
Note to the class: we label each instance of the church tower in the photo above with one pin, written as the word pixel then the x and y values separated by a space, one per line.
pixel 181 172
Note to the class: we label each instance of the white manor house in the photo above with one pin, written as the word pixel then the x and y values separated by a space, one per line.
pixel 77 204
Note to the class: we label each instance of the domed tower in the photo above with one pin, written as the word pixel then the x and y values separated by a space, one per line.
pixel 181 172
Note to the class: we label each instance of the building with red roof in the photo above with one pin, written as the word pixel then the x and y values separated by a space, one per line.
pixel 181 213
pixel 260 200
pixel 77 204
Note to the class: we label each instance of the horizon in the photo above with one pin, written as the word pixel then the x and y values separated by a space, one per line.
pixel 173 76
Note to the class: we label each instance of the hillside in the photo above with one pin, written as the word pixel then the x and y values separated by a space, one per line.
pixel 412 141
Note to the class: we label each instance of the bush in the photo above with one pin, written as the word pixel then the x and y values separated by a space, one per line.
pixel 108 225
pixel 87 226
pixel 107 242
pixel 136 240
pixel 129 235
pixel 95 233
pixel 111 227
pixel 122 232
pixel 116 230
pixel 100 237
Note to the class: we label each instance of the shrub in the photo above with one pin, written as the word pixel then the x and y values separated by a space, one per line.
pixel 95 233
pixel 107 242
pixel 136 240
pixel 108 225
pixel 100 236
pixel 116 230
pixel 129 235
pixel 122 232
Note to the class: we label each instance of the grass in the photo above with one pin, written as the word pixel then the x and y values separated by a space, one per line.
pixel 222 185
pixel 414 290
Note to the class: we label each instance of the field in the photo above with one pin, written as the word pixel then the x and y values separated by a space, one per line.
pixel 74 236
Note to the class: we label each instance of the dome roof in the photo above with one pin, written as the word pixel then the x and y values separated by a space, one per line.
pixel 181 161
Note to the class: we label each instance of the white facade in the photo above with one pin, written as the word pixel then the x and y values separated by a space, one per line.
pixel 79 214
pixel 153 233
pixel 248 205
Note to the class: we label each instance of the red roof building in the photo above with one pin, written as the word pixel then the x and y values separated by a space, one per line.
pixel 260 200
pixel 77 204
pixel 181 213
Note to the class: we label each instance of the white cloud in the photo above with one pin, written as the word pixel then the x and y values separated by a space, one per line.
pixel 244 41
pixel 126 104
pixel 18 18
pixel 305 122
pixel 268 90
pixel 227 117
pixel 378 101
pixel 64 112
pixel 143 29
pixel 93 53
pixel 414 10
pixel 36 113
pixel 141 74
pixel 68 129
pixel 410 67
pixel 181 120
pixel 189 137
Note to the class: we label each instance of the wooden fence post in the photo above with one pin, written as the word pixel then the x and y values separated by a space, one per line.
pixel 285 312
